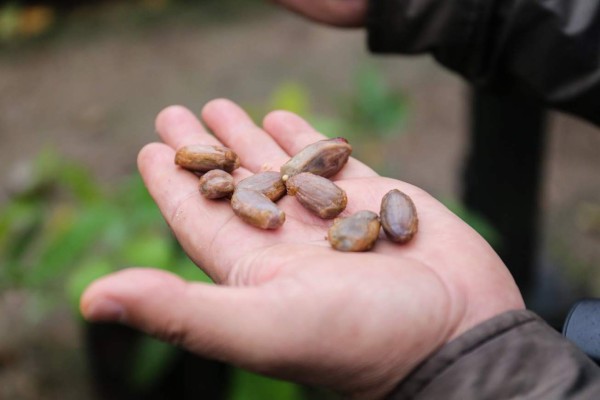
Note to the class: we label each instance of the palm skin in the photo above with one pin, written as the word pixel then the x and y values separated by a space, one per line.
pixel 287 304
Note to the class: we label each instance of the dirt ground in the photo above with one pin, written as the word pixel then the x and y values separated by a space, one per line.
pixel 94 99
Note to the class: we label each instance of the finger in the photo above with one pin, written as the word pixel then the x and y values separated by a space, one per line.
pixel 294 133
pixel 348 13
pixel 226 323
pixel 194 219
pixel 177 126
pixel 257 150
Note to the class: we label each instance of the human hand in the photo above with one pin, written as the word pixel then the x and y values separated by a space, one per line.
pixel 286 304
pixel 348 13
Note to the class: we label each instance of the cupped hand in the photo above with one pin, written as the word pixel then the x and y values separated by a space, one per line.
pixel 285 303
pixel 346 13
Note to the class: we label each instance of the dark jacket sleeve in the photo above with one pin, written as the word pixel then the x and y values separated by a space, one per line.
pixel 512 356
pixel 549 48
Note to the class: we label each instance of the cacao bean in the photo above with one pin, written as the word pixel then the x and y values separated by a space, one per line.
pixel 317 194
pixel 325 158
pixel 358 232
pixel 398 216
pixel 268 183
pixel 216 184
pixel 256 209
pixel 203 158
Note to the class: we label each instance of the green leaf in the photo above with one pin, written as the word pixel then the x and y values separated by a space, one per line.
pixel 79 181
pixel 82 277
pixel 137 206
pixel 249 386
pixel 20 224
pixel 329 127
pixel 53 171
pixel 187 270
pixel 476 221
pixel 151 359
pixel 290 96
pixel 375 109
pixel 148 249
pixel 63 250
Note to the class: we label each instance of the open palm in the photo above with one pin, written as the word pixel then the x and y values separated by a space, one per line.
pixel 287 304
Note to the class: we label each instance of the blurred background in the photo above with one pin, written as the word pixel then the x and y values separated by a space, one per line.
pixel 80 86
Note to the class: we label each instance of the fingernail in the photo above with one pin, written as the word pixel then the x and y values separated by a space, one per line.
pixel 104 310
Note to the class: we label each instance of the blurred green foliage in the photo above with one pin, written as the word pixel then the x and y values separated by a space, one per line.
pixel 151 359
pixel 290 96
pixel 477 221
pixel 370 112
pixel 249 386
pixel 374 110
pixel 63 230
pixel 64 227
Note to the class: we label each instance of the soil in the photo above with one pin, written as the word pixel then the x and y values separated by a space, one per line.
pixel 94 99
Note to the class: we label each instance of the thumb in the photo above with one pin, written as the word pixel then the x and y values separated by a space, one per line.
pixel 226 323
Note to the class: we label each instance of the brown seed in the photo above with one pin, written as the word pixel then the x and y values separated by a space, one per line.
pixel 216 184
pixel 398 216
pixel 268 183
pixel 358 232
pixel 203 158
pixel 256 209
pixel 324 158
pixel 317 194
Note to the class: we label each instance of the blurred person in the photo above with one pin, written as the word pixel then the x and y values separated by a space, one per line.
pixel 438 318
pixel 545 48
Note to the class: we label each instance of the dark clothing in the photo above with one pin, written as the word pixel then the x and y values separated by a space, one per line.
pixel 549 48
pixel 515 355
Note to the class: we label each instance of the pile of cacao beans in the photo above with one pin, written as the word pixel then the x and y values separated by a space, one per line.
pixel 304 176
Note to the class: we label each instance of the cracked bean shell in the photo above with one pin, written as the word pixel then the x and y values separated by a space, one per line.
pixel 256 209
pixel 268 183
pixel 398 216
pixel 203 158
pixel 317 194
pixel 325 158
pixel 216 184
pixel 358 232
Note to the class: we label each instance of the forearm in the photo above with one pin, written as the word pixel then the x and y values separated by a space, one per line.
pixel 514 355
pixel 549 48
